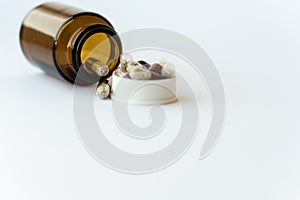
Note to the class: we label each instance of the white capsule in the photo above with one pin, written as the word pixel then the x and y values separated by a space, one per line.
pixel 168 70
pixel 103 91
pixel 124 59
pixel 139 73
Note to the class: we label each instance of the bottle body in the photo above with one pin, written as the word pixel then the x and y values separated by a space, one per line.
pixel 60 39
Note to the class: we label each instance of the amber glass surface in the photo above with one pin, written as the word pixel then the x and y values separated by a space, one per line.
pixel 59 39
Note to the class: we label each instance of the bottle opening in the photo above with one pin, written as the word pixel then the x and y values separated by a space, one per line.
pixel 98 52
pixel 96 47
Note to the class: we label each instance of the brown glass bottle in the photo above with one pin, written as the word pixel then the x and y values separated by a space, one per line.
pixel 63 40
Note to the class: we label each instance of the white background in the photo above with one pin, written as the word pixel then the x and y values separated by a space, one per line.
pixel 255 46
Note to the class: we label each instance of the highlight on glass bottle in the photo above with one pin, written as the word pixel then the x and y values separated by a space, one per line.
pixel 61 40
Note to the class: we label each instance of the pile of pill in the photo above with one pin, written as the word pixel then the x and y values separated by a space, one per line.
pixel 142 70
pixel 137 70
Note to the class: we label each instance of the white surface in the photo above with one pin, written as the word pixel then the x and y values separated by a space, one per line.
pixel 255 46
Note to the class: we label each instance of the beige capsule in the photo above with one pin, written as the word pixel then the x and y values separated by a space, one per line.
pixel 121 72
pixel 103 89
pixel 138 72
pixel 133 65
